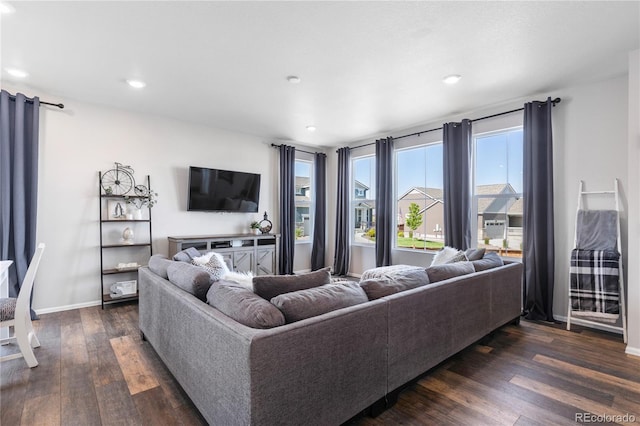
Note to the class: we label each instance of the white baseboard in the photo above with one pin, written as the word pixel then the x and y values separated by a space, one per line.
pixel 578 321
pixel 632 351
pixel 67 307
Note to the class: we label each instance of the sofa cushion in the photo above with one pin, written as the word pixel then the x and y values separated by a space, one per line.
pixel 386 280
pixel 158 264
pixel 190 278
pixel 312 302
pixel 270 286
pixel 186 255
pixel 490 260
pixel 375 288
pixel 243 305
pixel 474 253
pixel 449 270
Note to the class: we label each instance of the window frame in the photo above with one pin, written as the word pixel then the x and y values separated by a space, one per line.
pixel 312 200
pixel 476 197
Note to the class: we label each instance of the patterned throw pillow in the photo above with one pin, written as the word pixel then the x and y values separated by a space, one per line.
pixel 213 263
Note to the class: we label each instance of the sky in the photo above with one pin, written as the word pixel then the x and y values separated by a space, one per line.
pixel 498 160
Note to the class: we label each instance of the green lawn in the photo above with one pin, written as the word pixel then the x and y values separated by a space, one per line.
pixel 419 244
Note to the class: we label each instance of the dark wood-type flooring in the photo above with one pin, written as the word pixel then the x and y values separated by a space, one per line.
pixel 94 369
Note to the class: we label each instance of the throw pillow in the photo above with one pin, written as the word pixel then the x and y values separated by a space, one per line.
pixel 386 280
pixel 243 305
pixel 490 260
pixel 270 286
pixel 186 255
pixel 213 263
pixel 449 270
pixel 190 278
pixel 444 255
pixel 459 257
pixel 158 264
pixel 312 302
pixel 474 254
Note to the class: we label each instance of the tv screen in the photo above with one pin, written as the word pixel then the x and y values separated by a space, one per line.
pixel 223 190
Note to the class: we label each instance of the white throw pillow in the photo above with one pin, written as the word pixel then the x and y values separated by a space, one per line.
pixel 213 263
pixel 444 256
pixel 245 279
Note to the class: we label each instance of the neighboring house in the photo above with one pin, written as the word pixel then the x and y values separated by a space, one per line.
pixel 364 216
pixel 431 209
pixel 496 216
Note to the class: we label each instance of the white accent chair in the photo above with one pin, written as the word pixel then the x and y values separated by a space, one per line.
pixel 16 312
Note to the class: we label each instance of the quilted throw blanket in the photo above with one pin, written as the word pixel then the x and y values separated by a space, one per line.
pixel 595 290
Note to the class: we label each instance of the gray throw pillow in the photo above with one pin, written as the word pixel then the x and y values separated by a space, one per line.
pixel 386 280
pixel 474 254
pixel 244 306
pixel 270 286
pixel 190 278
pixel 158 264
pixel 490 260
pixel 449 270
pixel 186 255
pixel 312 302
pixel 460 256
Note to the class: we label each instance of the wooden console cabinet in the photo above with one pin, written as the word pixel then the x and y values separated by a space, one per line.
pixel 242 252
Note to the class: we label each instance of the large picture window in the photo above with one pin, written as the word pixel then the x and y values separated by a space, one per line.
pixel 363 198
pixel 304 200
pixel 497 201
pixel 420 205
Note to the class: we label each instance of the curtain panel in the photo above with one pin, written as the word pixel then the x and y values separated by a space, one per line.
pixel 343 192
pixel 287 208
pixel 320 212
pixel 19 122
pixel 538 238
pixel 457 184
pixel 384 201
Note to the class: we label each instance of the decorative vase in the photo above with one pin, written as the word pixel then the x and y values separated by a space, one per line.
pixel 127 236
pixel 137 214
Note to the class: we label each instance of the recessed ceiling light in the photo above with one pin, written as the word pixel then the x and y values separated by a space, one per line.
pixel 293 79
pixel 6 8
pixel 452 79
pixel 16 72
pixel 136 84
pixel 311 128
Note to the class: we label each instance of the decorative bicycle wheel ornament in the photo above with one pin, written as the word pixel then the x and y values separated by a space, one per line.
pixel 118 181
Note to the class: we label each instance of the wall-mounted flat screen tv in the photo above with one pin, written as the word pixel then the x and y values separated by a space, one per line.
pixel 217 190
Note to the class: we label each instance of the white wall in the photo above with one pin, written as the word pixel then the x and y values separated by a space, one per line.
pixel 77 142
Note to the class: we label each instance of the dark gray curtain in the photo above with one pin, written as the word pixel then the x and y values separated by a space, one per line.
pixel 19 117
pixel 343 230
pixel 457 184
pixel 320 212
pixel 287 208
pixel 538 256
pixel 384 201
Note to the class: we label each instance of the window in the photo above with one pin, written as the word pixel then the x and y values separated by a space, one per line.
pixel 420 206
pixel 497 200
pixel 363 199
pixel 303 200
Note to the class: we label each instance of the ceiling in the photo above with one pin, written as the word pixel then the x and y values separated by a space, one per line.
pixel 366 68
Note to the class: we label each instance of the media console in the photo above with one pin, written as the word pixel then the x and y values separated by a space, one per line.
pixel 242 252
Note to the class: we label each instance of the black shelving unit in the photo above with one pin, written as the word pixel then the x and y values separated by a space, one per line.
pixel 105 224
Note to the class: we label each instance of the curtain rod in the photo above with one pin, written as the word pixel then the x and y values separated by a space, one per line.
pixel 553 102
pixel 301 150
pixel 29 100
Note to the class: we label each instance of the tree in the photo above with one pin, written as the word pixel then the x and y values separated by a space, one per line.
pixel 414 219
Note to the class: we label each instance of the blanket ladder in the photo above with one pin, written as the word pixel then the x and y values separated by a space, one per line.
pixel 581 194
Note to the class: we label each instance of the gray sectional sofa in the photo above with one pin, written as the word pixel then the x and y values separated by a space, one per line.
pixel 325 369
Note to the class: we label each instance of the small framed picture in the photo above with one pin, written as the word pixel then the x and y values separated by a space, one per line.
pixel 117 210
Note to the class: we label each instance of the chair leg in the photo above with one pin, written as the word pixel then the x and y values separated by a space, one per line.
pixel 24 343
pixel 33 339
